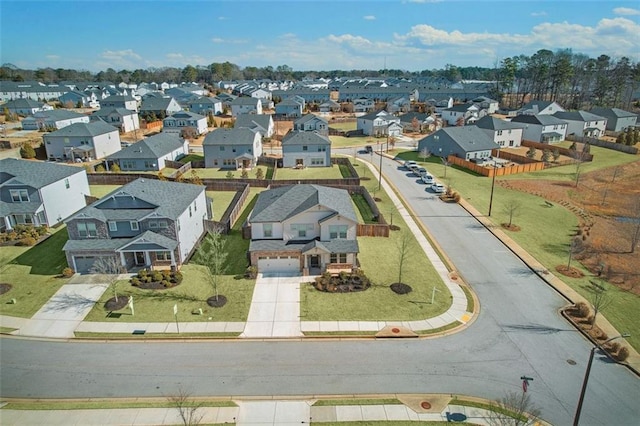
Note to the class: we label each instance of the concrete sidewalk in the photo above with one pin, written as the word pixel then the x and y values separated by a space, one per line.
pixel 250 413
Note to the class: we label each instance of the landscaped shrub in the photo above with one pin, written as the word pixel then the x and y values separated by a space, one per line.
pixel 166 283
pixel 67 272
pixel 582 309
pixel 27 241
pixel 613 347
pixel 622 354
pixel 135 281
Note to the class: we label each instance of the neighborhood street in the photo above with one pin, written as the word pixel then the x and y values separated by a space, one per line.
pixel 519 332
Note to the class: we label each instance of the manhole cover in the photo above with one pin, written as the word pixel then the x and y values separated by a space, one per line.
pixel 425 404
pixel 571 362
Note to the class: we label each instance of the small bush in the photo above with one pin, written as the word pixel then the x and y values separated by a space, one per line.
pixel 166 283
pixel 67 272
pixel 613 347
pixel 148 279
pixel 27 151
pixel 26 241
pixel 100 168
pixel 157 276
pixel 135 281
pixel 582 309
pixel 143 273
pixel 622 354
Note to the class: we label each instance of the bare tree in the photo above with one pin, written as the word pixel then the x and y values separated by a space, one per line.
pixel 424 154
pixel 512 208
pixel 403 245
pixel 600 298
pixel 212 254
pixel 633 226
pixel 514 409
pixel 578 158
pixel 575 247
pixel 111 267
pixel 446 163
pixel 187 409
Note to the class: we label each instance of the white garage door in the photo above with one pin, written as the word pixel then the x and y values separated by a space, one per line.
pixel 279 265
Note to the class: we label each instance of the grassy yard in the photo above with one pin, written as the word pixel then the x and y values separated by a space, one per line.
pixel 192 293
pixel 346 126
pixel 217 173
pixel 100 191
pixel 332 172
pixel 365 212
pixel 221 201
pixel 379 261
pixel 341 141
pixel 545 232
pixel 32 271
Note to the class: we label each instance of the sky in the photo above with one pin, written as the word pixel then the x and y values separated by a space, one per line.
pixel 306 35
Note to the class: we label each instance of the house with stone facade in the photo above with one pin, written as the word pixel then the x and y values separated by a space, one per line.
pixel 39 193
pixel 146 223
pixel 303 228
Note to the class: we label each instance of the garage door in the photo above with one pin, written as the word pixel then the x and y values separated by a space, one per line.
pixel 84 263
pixel 282 264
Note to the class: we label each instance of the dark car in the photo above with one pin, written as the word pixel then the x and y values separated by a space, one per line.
pixel 368 149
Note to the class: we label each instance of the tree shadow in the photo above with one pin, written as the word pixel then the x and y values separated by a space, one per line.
pixel 64 302
pixel 536 328
pixel 557 249
pixel 162 296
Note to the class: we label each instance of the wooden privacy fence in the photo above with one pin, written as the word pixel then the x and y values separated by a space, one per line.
pixel 604 144
pixel 498 171
pixel 152 125
pixel 564 151
pixel 230 216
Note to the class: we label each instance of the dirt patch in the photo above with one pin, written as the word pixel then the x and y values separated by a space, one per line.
pixel 5 287
pixel 603 202
pixel 217 302
pixel 569 271
pixel 115 305
pixel 512 227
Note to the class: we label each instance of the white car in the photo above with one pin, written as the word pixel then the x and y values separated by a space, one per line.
pixel 407 164
pixel 438 188
pixel 427 178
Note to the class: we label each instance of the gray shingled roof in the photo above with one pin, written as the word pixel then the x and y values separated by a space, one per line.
pixel 469 138
pixel 55 115
pixel 578 116
pixel 494 123
pixel 304 138
pixel 155 146
pixel 460 107
pixel 334 246
pixel 612 112
pixel 142 197
pixel 118 98
pixel 309 117
pixel 22 103
pixel 228 137
pixel 249 121
pixel 34 173
pixel 540 119
pixel 245 100
pixel 91 129
pixel 187 115
pixel 105 112
pixel 155 104
pixel 279 204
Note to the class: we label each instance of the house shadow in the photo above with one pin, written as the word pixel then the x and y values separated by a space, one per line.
pixel 47 257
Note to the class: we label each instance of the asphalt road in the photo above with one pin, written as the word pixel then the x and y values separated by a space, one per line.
pixel 518 332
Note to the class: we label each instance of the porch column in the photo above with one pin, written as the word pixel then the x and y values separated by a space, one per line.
pixel 123 262
pixel 173 258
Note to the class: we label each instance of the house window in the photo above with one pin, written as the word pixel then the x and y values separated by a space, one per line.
pixel 113 226
pixel 149 164
pixel 87 229
pixel 215 161
pixel 499 132
pixel 163 224
pixel 18 195
pixel 222 148
pixel 304 147
pixel 338 258
pixel 163 255
pixel 134 225
pixel 317 161
pixel 301 229
pixel 66 183
pixel 267 230
pixel 338 231
pixel 153 224
pixel 190 212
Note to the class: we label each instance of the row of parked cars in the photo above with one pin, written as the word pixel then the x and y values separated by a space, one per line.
pixel 424 176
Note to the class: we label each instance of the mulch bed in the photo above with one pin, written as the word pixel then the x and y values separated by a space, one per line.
pixel 569 272
pixel 220 302
pixel 112 305
pixel 401 288
pixel 5 287
pixel 512 227
pixel 155 285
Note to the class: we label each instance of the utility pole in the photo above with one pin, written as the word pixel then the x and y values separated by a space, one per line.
pixel 380 170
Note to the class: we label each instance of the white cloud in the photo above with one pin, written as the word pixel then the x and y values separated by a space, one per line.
pixel 122 59
pixel 369 18
pixel 219 40
pixel 541 13
pixel 53 57
pixel 626 11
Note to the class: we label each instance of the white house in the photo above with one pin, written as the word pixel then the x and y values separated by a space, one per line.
pixel 363 105
pixel 542 128
pixel 583 123
pixel 124 119
pixel 505 133
pixel 82 141
pixel 246 105
pixel 540 108
pixel 53 119
pixel 379 123
pixel 465 113
pixel 232 148
pixel 303 228
pixel 306 149
pixel 181 120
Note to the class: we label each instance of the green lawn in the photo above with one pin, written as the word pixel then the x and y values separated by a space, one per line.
pixel 32 271
pixel 545 231
pixel 346 126
pixel 363 208
pixel 217 173
pixel 332 172
pixel 221 201
pixel 191 157
pixel 379 261
pixel 100 191
pixel 341 141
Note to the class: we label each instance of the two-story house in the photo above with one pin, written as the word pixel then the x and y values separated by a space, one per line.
pixel 291 107
pixel 462 114
pixel 125 120
pixel 544 128
pixel 583 123
pixel 147 223
pixel 77 99
pixel 505 133
pixel 158 108
pixel 205 106
pixel 540 108
pixel 306 149
pixel 120 101
pixel 25 107
pixel 82 141
pixel 363 105
pixel 330 106
pixel 181 120
pixel 150 154
pixel 232 148
pixel 618 120
pixel 379 123
pixel 398 105
pixel 303 228
pixel 39 193
pixel 259 123
pixel 245 105
pixel 312 123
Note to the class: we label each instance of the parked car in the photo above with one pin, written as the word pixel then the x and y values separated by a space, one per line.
pixel 413 168
pixel 438 188
pixel 368 149
pixel 427 178
pixel 421 171
pixel 407 164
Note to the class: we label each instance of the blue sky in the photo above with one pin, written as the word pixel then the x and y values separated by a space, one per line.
pixel 309 35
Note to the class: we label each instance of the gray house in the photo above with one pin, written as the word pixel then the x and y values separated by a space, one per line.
pixel 467 142
pixel 583 123
pixel 303 228
pixel 290 107
pixel 38 193
pixel 54 119
pixel 245 105
pixel 82 141
pixel 504 133
pixel 312 123
pixel 618 120
pixel 158 108
pixel 306 149
pixel 232 148
pixel 120 101
pixel 183 120
pixel 151 153
pixel 136 226
pixel 260 123
pixel 206 106
pixel 25 107
pixel 124 119
pixel 544 128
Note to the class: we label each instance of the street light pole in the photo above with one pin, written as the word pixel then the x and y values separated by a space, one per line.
pixel 380 170
pixel 493 183
pixel 576 417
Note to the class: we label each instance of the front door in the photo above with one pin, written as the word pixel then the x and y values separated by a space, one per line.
pixel 314 261
pixel 139 255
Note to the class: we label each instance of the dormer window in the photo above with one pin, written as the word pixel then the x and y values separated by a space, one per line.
pixel 19 195
pixel 87 230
